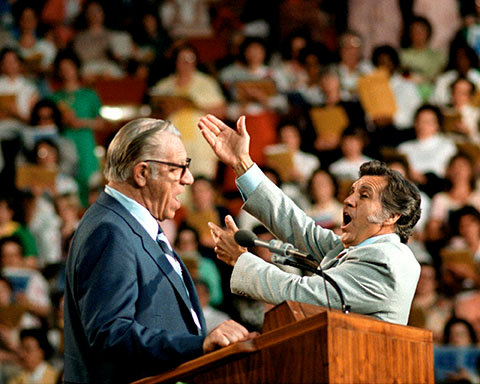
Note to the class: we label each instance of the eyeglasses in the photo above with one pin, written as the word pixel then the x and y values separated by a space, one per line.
pixel 183 167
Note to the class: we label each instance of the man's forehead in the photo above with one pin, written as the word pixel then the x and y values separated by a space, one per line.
pixel 171 145
pixel 370 182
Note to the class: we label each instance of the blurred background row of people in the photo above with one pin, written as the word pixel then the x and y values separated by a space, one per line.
pixel 325 86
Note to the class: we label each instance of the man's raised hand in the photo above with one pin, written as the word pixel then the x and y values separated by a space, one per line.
pixel 230 145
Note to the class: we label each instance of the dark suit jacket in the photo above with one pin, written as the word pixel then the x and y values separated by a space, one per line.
pixel 126 313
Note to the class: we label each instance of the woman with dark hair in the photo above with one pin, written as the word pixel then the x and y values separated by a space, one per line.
pixel 326 210
pixel 80 107
pixel 421 61
pixel 463 61
pixel 35 351
pixel 460 333
pixel 187 81
pixel 38 52
pixel 189 94
pixel 95 44
pixel 430 152
pixel 407 98
pixel 460 191
pixel 46 123
pixel 252 67
pixel 12 82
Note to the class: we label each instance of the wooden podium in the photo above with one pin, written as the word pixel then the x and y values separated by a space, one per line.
pixel 303 343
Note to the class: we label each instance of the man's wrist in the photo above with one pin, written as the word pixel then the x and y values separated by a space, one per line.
pixel 242 166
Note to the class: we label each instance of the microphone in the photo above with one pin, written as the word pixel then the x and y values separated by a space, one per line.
pixel 248 239
pixel 286 254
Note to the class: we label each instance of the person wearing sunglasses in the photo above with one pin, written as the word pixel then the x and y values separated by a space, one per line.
pixel 131 308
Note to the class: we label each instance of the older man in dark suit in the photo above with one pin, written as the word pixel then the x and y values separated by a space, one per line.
pixel 131 309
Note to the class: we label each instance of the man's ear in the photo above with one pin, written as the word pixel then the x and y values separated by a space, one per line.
pixel 392 219
pixel 140 173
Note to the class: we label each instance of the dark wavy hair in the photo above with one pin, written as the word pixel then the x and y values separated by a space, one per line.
pixel 400 196
pixel 447 330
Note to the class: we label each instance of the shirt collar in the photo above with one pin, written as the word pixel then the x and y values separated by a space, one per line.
pixel 370 240
pixel 138 211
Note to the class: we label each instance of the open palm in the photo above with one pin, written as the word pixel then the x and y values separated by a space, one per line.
pixel 230 145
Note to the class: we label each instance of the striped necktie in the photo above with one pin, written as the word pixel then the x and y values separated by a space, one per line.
pixel 172 259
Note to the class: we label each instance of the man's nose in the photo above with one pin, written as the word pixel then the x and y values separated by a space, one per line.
pixel 349 201
pixel 187 178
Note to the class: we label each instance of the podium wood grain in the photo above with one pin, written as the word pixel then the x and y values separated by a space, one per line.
pixel 308 344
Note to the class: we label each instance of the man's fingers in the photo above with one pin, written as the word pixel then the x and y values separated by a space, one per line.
pixel 215 230
pixel 230 223
pixel 207 134
pixel 232 331
pixel 241 126
pixel 205 124
pixel 217 122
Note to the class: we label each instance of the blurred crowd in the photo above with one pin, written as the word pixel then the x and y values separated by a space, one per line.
pixel 278 63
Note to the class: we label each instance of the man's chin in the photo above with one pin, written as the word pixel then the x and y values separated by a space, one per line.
pixel 344 238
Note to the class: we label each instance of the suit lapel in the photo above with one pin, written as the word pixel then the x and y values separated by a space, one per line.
pixel 154 251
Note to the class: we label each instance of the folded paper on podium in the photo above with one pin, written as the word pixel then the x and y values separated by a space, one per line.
pixel 304 343
pixel 376 95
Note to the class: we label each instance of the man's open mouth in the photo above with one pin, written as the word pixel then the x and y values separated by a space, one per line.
pixel 346 219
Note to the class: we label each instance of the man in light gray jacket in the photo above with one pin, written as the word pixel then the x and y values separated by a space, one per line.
pixel 369 261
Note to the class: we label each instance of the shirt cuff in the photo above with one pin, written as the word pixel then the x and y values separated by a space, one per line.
pixel 249 181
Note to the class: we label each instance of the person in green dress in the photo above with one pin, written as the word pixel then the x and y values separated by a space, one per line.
pixel 80 108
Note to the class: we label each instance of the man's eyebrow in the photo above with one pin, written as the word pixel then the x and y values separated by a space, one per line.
pixel 365 188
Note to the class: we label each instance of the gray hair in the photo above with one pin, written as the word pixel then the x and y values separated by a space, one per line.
pixel 135 141
pixel 400 196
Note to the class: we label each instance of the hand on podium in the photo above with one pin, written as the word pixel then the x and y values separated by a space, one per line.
pixel 227 333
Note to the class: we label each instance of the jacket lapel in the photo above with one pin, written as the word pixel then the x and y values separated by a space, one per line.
pixel 154 251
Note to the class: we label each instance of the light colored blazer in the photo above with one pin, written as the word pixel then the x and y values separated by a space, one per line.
pixel 378 279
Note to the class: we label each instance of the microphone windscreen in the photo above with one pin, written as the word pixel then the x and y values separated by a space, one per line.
pixel 245 238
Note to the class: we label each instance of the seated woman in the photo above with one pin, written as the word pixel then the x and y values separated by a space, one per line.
pixel 465 115
pixel 429 153
pixel 95 44
pixel 35 350
pixel 80 107
pixel 184 96
pixel 187 81
pixel 37 52
pixel 463 61
pixel 46 123
pixel 253 67
pixel 460 191
pixel 421 61
pixel 326 210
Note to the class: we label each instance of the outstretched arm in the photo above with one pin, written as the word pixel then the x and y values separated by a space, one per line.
pixel 230 145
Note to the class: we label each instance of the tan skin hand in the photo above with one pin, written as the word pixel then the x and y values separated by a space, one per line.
pixel 230 145
pixel 227 333
pixel 226 248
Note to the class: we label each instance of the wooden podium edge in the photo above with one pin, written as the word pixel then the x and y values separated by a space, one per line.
pixel 203 362
pixel 351 321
